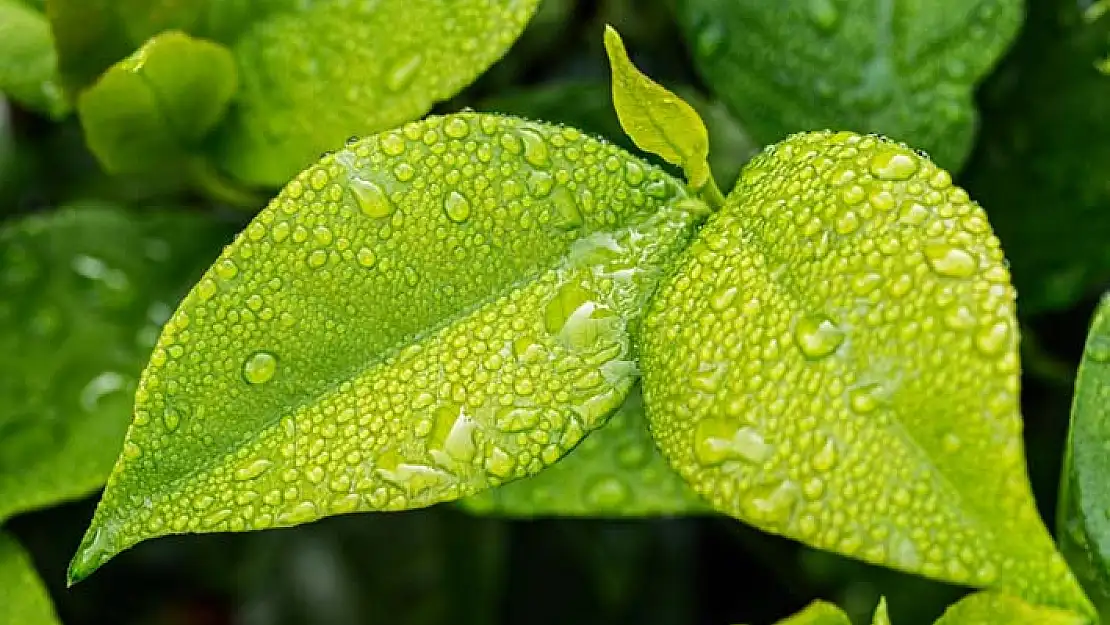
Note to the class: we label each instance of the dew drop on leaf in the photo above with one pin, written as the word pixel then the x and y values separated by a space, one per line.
pixel 260 367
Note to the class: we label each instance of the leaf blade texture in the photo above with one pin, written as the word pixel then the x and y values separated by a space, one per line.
pixel 431 311
pixel 869 281
pixel 29 72
pixel 1082 527
pixel 616 471
pixel 23 598
pixel 83 292
pixel 995 608
pixel 657 120
pixel 905 70
pixel 154 108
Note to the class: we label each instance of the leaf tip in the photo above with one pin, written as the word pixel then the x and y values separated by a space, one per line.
pixel 97 547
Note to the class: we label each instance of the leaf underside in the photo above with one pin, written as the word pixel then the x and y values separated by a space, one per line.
pixel 903 69
pixel 616 471
pixel 835 360
pixel 429 312
pixel 23 598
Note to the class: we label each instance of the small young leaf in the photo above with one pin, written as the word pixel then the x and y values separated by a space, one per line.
pixel 155 107
pixel 906 70
pixel 28 63
pixel 657 120
pixel 818 613
pixel 995 608
pixel 882 617
pixel 835 360
pixel 615 471
pixel 426 313
pixel 23 598
pixel 1082 524
pixel 83 291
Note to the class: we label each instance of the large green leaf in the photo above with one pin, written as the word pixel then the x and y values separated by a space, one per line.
pixel 1082 522
pixel 835 360
pixel 904 69
pixel 426 313
pixel 155 107
pixel 23 598
pixel 1040 129
pixel 312 74
pixel 83 291
pixel 994 608
pixel 28 63
pixel 615 471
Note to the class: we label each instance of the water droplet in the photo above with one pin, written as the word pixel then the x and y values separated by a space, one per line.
pixel 457 207
pixel 535 148
pixel 817 337
pixel 894 164
pixel 456 128
pixel 300 513
pixel 567 215
pixel 864 399
pixel 994 339
pixel 371 198
pixel 226 269
pixel 171 418
pixel 259 367
pixel 717 441
pixel 366 257
pixel 403 72
pixel 500 464
pixel 253 469
pixel 723 298
pixel 951 261
pixel 607 493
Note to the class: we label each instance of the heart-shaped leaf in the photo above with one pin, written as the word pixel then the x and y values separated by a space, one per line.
pixel 994 608
pixel 83 292
pixel 1082 524
pixel 906 69
pixel 23 597
pixel 835 360
pixel 155 107
pixel 28 63
pixel 429 312
pixel 615 471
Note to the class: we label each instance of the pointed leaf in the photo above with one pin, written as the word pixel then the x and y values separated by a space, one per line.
pixel 835 360
pixel 882 617
pixel 657 120
pixel 994 608
pixel 615 471
pixel 906 69
pixel 429 312
pixel 83 291
pixel 156 106
pixel 818 613
pixel 1082 524
pixel 28 63
pixel 23 597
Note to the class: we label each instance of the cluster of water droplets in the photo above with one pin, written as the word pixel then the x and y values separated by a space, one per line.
pixel 836 360
pixel 346 353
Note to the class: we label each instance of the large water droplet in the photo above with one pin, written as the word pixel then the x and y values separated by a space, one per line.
pixel 817 336
pixel 535 148
pixel 893 164
pixel 252 469
pixel 259 367
pixel 567 215
pixel 951 261
pixel 993 339
pixel 457 207
pixel 717 441
pixel 371 198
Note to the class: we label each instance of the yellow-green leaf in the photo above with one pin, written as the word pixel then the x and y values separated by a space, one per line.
pixel 1082 523
pixel 994 608
pixel 615 471
pixel 835 360
pixel 818 613
pixel 23 598
pixel 28 63
pixel 657 120
pixel 428 312
pixel 882 617
pixel 155 107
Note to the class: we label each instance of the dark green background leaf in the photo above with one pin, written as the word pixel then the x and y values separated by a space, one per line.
pixel 28 63
pixel 23 599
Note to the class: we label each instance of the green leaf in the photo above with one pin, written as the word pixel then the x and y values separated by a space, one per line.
pixel 818 613
pixel 906 70
pixel 83 291
pixel 882 617
pixel 1082 524
pixel 28 63
pixel 426 313
pixel 155 107
pixel 657 120
pixel 615 471
pixel 1039 128
pixel 994 608
pixel 23 597
pixel 835 360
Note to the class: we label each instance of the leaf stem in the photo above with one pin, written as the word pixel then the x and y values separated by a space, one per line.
pixel 218 187
pixel 711 194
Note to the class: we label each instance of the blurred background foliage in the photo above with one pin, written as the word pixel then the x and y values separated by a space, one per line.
pixel 1040 165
